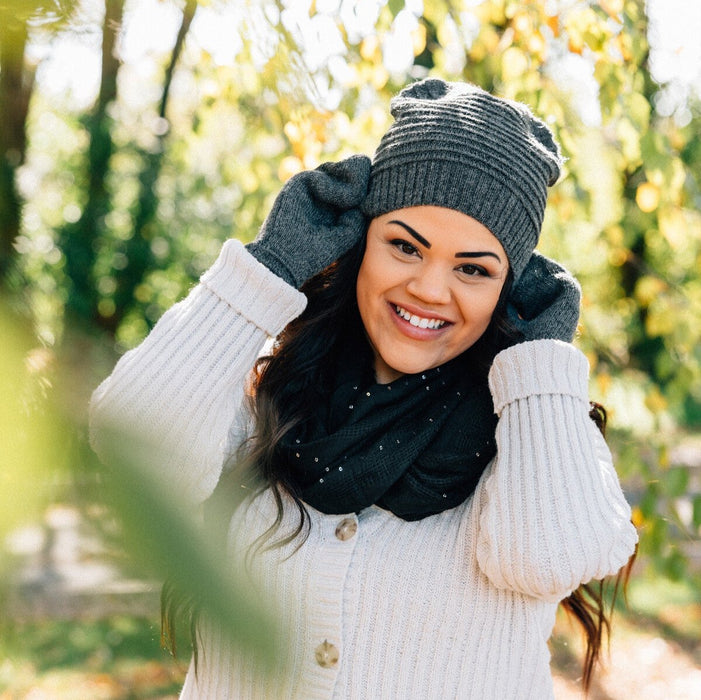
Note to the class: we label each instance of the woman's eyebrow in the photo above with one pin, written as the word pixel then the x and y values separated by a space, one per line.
pixel 468 254
pixel 478 254
pixel 412 232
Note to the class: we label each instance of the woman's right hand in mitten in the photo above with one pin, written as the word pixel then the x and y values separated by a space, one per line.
pixel 316 218
pixel 544 302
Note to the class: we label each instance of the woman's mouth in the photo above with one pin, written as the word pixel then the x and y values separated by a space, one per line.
pixel 418 321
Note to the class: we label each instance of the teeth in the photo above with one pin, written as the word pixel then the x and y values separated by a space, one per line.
pixel 418 321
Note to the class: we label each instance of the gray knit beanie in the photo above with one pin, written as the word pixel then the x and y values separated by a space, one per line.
pixel 456 146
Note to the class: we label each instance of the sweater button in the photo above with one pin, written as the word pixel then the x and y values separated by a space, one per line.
pixel 346 529
pixel 326 654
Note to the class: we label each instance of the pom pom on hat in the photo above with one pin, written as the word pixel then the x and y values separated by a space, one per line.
pixel 457 146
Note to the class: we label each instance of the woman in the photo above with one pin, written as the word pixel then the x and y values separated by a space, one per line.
pixel 431 485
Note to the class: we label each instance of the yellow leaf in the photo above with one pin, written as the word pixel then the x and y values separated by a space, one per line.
pixel 521 23
pixel 379 77
pixel 593 360
pixel 537 45
pixel 648 289
pixel 660 322
pixel 312 158
pixel 370 48
pixel 629 138
pixel 580 26
pixel 647 197
pixel 603 379
pixel 655 402
pixel 675 228
pixel 615 235
pixel 490 39
pixel 617 256
pixel 514 63
pixel 611 7
pixel 418 39
pixel 292 131
pixel 249 181
pixel 289 166
pixel 575 44
pixel 553 22
pixel 624 43
pixel 490 13
pixel 637 517
pixel 341 125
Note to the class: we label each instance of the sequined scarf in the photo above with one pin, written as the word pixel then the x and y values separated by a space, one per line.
pixel 416 446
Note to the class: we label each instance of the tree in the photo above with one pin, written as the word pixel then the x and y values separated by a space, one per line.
pixel 79 241
pixel 16 86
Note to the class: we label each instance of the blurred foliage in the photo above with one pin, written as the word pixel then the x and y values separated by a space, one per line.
pixel 156 527
pixel 109 214
pixel 87 659
pixel 161 533
pixel 29 429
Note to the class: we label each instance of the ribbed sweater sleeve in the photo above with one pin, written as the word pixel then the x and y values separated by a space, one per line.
pixel 553 514
pixel 182 387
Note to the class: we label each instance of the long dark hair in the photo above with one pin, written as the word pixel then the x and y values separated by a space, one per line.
pixel 587 605
pixel 286 383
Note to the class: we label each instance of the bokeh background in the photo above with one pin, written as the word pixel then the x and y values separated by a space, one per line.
pixel 137 135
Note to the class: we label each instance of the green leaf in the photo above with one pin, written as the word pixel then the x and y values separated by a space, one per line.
pixel 676 481
pixel 161 535
pixel 395 6
pixel 697 510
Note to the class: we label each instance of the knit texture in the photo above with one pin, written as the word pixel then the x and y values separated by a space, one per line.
pixel 456 146
pixel 314 220
pixel 545 301
pixel 415 446
pixel 198 362
pixel 457 605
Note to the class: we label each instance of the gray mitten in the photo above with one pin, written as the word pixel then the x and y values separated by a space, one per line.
pixel 314 220
pixel 544 303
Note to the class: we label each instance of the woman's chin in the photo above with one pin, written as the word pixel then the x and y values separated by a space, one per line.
pixel 386 372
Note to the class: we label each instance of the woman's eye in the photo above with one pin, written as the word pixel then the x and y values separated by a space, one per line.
pixel 404 246
pixel 473 270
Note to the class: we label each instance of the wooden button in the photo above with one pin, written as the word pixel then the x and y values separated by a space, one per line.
pixel 326 654
pixel 346 529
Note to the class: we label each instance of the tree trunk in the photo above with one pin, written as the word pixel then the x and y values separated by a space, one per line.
pixel 138 247
pixel 16 83
pixel 80 241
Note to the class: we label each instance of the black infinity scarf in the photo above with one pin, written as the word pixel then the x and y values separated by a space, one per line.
pixel 416 446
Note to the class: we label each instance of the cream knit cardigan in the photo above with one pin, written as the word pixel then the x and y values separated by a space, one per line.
pixel 457 605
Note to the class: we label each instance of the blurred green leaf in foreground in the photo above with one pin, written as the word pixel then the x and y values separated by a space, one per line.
pixel 158 531
pixel 29 430
pixel 163 536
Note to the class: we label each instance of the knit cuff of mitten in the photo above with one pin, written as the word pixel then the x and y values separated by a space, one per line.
pixel 265 256
pixel 538 367
pixel 252 290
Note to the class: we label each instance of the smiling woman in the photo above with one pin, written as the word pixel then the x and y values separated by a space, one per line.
pixel 425 483
pixel 425 298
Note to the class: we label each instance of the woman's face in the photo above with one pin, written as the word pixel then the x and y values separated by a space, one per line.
pixel 428 284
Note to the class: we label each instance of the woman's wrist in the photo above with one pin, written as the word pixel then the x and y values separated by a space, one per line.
pixel 253 290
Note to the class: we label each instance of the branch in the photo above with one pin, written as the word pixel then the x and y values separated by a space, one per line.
pixel 188 15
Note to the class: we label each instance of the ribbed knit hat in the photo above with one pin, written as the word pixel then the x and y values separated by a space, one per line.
pixel 456 146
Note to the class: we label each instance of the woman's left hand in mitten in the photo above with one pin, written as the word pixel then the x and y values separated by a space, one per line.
pixel 544 302
pixel 316 218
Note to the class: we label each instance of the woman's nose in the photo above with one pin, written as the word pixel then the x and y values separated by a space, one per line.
pixel 430 285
